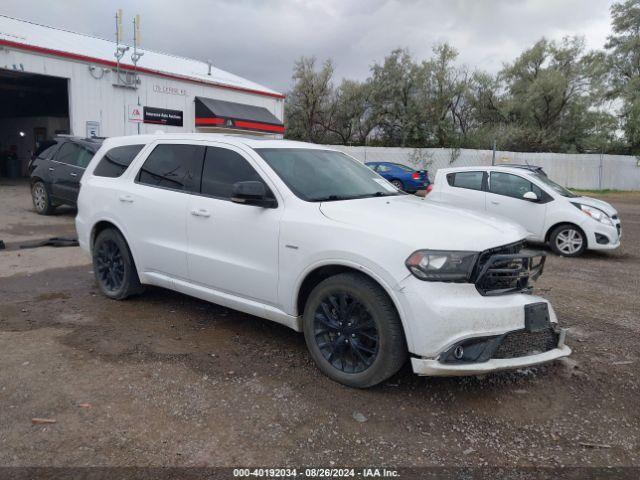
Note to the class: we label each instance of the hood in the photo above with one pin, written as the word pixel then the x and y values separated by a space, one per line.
pixel 594 202
pixel 411 220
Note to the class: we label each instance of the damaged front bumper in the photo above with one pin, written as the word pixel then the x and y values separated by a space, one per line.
pixel 491 354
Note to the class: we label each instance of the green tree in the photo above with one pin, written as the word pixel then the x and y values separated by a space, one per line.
pixel 623 47
pixel 395 89
pixel 443 98
pixel 550 96
pixel 350 118
pixel 309 102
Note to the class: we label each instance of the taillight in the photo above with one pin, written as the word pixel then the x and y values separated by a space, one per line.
pixel 429 187
pixel 415 176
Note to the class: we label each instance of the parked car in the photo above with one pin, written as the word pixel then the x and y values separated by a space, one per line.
pixel 550 213
pixel 309 237
pixel 404 178
pixel 56 170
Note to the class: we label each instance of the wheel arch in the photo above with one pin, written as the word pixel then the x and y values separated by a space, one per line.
pixel 101 225
pixel 547 236
pixel 321 272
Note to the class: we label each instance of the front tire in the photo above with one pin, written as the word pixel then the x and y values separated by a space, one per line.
pixel 353 331
pixel 41 200
pixel 113 266
pixel 568 241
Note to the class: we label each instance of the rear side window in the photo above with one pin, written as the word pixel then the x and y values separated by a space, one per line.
pixel 46 150
pixel 512 185
pixel 73 154
pixel 177 167
pixel 403 167
pixel 116 161
pixel 222 168
pixel 470 180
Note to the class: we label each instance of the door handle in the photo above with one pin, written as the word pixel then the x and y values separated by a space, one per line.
pixel 201 212
pixel 493 202
pixel 126 198
pixel 51 169
pixel 73 174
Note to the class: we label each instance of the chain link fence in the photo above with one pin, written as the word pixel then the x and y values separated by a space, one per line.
pixel 581 171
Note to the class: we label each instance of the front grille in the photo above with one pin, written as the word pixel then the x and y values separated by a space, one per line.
pixel 507 269
pixel 503 250
pixel 523 343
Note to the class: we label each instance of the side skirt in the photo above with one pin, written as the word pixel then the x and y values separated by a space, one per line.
pixel 228 300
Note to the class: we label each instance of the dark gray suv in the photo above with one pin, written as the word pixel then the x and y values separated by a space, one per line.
pixel 56 171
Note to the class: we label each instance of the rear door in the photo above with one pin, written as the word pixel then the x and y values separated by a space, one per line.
pixel 464 189
pixel 505 198
pixel 233 247
pixel 69 165
pixel 154 207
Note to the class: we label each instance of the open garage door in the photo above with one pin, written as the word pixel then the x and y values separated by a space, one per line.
pixel 35 108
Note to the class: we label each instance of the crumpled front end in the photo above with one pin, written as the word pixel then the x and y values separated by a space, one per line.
pixel 491 324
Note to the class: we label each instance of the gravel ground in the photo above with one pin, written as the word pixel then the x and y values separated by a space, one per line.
pixel 164 379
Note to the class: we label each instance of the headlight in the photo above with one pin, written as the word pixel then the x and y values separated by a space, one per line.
pixel 442 266
pixel 595 213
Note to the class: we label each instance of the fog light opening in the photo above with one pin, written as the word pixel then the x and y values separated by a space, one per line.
pixel 602 239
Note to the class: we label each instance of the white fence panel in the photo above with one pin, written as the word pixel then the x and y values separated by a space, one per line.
pixel 584 171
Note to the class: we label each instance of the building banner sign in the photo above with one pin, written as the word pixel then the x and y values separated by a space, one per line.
pixel 135 113
pixel 162 116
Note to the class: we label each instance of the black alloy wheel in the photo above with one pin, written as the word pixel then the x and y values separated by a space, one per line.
pixel 353 331
pixel 346 333
pixel 110 265
pixel 113 265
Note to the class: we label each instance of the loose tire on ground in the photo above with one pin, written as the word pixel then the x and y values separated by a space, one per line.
pixel 113 266
pixel 375 308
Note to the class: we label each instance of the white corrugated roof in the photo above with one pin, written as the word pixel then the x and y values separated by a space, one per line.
pixel 62 41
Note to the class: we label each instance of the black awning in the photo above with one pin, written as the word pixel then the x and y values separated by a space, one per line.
pixel 219 113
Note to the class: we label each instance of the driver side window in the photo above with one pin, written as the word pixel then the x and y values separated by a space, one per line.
pixel 222 169
pixel 511 185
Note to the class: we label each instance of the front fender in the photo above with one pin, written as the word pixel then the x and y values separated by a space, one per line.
pixel 361 264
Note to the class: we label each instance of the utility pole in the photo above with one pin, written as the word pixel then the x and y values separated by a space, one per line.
pixel 493 157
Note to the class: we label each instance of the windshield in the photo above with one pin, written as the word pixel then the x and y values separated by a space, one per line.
pixel 323 175
pixel 558 188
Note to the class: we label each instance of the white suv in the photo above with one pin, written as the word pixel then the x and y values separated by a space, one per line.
pixel 309 237
pixel 550 213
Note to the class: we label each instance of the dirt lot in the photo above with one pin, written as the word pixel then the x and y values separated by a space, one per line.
pixel 168 380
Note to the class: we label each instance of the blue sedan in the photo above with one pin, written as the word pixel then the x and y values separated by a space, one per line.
pixel 403 177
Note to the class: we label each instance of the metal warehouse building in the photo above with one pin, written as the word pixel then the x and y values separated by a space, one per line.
pixel 58 82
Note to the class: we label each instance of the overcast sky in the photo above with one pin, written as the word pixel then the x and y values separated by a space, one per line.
pixel 260 40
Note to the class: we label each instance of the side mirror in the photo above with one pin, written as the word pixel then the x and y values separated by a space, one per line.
pixel 532 197
pixel 252 193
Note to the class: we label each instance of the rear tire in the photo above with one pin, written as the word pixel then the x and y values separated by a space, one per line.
pixel 41 199
pixel 398 184
pixel 353 331
pixel 568 241
pixel 113 266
